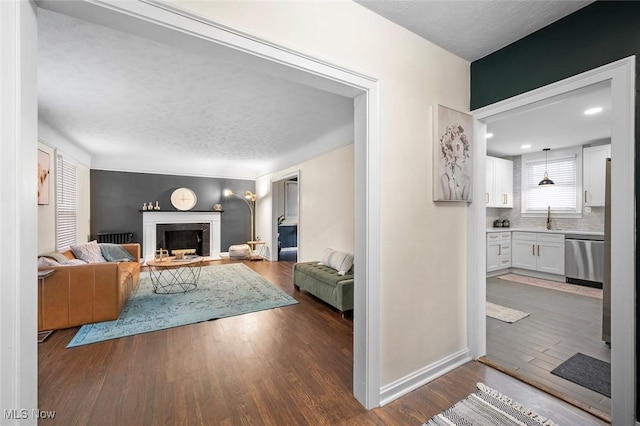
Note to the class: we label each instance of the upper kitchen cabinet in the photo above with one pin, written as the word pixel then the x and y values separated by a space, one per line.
pixel 499 183
pixel 593 172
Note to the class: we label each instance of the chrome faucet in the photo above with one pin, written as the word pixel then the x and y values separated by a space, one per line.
pixel 549 217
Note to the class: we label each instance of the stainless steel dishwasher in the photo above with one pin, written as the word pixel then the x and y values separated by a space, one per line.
pixel 584 258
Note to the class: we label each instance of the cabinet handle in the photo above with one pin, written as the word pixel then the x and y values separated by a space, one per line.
pixel 533 246
pixel 538 249
pixel 505 198
pixel 585 196
pixel 487 197
pixel 499 249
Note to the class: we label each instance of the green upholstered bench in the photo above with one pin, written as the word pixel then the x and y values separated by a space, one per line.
pixel 325 283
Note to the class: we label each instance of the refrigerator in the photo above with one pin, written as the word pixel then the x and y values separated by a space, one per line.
pixel 606 283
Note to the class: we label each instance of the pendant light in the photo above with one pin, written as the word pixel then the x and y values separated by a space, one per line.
pixel 546 180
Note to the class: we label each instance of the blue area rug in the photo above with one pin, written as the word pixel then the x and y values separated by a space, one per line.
pixel 223 291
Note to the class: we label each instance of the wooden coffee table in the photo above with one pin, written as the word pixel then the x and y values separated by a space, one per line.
pixel 174 276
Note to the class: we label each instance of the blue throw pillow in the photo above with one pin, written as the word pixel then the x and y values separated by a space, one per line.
pixel 115 253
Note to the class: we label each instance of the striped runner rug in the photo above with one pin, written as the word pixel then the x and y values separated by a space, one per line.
pixel 488 407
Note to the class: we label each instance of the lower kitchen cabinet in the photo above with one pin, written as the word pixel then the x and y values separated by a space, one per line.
pixel 498 250
pixel 542 252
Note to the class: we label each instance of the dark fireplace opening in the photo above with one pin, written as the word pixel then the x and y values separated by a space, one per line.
pixel 178 236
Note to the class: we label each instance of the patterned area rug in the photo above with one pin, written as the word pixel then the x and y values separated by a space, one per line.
pixel 554 285
pixel 488 407
pixel 223 291
pixel 505 314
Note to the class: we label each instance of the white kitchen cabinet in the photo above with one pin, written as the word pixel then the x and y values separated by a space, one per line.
pixel 491 170
pixel 524 250
pixel 499 182
pixel 498 250
pixel 593 172
pixel 538 251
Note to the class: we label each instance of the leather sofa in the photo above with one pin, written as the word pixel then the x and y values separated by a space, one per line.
pixel 325 283
pixel 82 294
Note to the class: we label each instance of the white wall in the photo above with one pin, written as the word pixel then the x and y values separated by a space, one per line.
pixel 423 258
pixel 326 188
pixel 52 142
pixel 47 212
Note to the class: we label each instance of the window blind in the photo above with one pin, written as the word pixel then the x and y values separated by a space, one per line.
pixel 562 196
pixel 66 203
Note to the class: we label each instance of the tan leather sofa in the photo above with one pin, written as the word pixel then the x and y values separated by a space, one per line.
pixel 81 294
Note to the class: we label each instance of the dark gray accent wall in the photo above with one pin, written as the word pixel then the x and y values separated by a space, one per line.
pixel 117 197
pixel 601 33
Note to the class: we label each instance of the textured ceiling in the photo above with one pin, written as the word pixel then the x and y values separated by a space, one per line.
pixel 473 29
pixel 134 103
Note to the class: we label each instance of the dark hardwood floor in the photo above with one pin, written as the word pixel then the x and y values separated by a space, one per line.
pixel 560 325
pixel 285 366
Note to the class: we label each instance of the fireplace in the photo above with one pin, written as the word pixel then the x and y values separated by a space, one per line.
pixel 177 236
pixel 180 230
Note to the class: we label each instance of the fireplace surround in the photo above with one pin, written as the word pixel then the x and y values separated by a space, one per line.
pixel 188 228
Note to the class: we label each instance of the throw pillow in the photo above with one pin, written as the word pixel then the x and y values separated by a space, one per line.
pixel 72 262
pixel 89 252
pixel 115 253
pixel 58 257
pixel 46 261
pixel 341 262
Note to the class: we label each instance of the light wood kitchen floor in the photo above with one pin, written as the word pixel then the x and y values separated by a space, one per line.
pixel 560 325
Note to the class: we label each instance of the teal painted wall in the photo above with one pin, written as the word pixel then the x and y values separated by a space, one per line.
pixel 603 32
pixel 596 35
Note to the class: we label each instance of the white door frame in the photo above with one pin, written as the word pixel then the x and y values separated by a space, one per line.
pixel 18 212
pixel 275 201
pixel 621 74
pixel 191 31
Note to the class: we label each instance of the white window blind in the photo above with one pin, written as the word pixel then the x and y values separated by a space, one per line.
pixel 562 196
pixel 66 203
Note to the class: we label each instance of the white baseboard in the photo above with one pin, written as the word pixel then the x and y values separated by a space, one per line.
pixel 498 272
pixel 418 378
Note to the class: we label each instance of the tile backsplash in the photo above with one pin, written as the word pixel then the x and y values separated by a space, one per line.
pixel 593 221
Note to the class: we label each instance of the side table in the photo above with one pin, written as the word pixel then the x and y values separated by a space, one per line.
pixel 253 245
pixel 42 276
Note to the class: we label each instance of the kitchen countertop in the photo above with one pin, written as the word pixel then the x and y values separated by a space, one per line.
pixel 549 231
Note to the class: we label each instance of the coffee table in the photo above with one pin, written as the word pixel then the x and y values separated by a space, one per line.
pixel 174 275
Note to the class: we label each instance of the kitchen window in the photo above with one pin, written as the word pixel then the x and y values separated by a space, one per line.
pixel 565 170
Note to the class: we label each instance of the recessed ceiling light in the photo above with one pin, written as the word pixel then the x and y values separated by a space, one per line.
pixel 593 110
pixel 489 135
pixel 525 146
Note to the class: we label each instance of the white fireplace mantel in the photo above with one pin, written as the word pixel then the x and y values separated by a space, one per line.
pixel 152 218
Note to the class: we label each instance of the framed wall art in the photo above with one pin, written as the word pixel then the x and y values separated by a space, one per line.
pixel 44 172
pixel 452 155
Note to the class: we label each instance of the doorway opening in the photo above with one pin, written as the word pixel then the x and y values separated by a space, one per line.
pixel 620 76
pixel 286 207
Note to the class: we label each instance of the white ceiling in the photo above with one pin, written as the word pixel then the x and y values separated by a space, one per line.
pixel 554 123
pixel 137 104
pixel 473 29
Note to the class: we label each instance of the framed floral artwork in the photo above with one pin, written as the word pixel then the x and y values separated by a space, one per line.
pixel 44 168
pixel 452 155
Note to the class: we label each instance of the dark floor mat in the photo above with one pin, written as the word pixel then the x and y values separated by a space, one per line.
pixel 586 371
